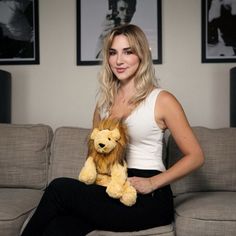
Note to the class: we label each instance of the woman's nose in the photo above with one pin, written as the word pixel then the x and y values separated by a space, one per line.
pixel 119 59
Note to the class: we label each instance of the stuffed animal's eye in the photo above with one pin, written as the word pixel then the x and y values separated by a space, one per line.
pixel 109 139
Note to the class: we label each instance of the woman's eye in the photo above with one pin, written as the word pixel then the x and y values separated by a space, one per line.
pixel 129 52
pixel 111 53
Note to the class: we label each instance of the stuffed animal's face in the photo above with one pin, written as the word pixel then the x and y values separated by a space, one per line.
pixel 107 143
pixel 105 140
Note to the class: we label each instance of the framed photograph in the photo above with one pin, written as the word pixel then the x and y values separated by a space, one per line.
pixel 95 18
pixel 218 31
pixel 19 32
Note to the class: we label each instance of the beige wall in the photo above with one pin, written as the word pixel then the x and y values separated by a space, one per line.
pixel 58 92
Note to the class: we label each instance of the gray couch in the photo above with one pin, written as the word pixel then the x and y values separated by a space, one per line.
pixel 32 155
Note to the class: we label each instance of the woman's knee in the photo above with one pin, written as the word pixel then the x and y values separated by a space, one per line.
pixel 61 183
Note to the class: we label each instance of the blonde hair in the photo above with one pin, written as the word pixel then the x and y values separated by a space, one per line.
pixel 144 80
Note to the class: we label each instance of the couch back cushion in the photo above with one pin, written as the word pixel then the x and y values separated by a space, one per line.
pixel 219 170
pixel 68 152
pixel 24 155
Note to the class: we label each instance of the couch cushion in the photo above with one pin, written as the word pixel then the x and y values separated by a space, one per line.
pixel 207 205
pixel 207 213
pixel 218 172
pixel 68 152
pixel 167 230
pixel 15 205
pixel 24 155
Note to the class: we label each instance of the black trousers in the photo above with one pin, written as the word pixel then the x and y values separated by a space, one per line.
pixel 69 207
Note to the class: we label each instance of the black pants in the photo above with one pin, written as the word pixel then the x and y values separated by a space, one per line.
pixel 69 207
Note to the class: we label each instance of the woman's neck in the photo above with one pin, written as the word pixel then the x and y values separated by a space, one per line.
pixel 126 89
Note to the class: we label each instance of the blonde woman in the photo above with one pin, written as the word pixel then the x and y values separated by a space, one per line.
pixel 128 91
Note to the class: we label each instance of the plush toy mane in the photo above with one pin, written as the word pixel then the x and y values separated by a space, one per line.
pixel 104 160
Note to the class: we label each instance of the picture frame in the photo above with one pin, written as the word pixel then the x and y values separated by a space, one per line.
pixel 91 15
pixel 218 32
pixel 19 32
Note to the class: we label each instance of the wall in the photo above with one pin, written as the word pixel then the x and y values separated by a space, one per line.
pixel 58 92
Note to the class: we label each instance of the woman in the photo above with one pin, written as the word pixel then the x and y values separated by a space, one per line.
pixel 128 90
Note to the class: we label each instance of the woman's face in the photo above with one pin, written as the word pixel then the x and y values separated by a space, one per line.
pixel 122 60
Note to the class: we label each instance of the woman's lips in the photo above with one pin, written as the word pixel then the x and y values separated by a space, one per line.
pixel 120 70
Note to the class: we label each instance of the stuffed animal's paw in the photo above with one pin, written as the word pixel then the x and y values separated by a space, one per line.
pixel 87 177
pixel 114 190
pixel 129 196
pixel 88 173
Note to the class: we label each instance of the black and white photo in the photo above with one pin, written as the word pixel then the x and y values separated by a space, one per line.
pixel 95 18
pixel 19 32
pixel 218 30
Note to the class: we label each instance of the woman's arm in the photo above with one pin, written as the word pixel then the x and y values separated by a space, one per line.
pixel 169 114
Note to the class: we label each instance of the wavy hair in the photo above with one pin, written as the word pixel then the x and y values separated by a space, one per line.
pixel 145 79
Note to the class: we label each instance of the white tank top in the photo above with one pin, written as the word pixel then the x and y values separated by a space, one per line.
pixel 144 150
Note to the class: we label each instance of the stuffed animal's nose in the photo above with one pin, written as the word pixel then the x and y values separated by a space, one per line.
pixel 101 145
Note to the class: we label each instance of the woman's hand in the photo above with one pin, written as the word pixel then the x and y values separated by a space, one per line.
pixel 142 185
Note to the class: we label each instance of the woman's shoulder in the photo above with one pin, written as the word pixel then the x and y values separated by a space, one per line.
pixel 167 100
pixel 165 95
pixel 167 108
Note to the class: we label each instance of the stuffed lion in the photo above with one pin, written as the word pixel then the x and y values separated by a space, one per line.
pixel 105 164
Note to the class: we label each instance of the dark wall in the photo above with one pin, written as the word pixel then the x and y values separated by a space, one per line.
pixel 5 97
